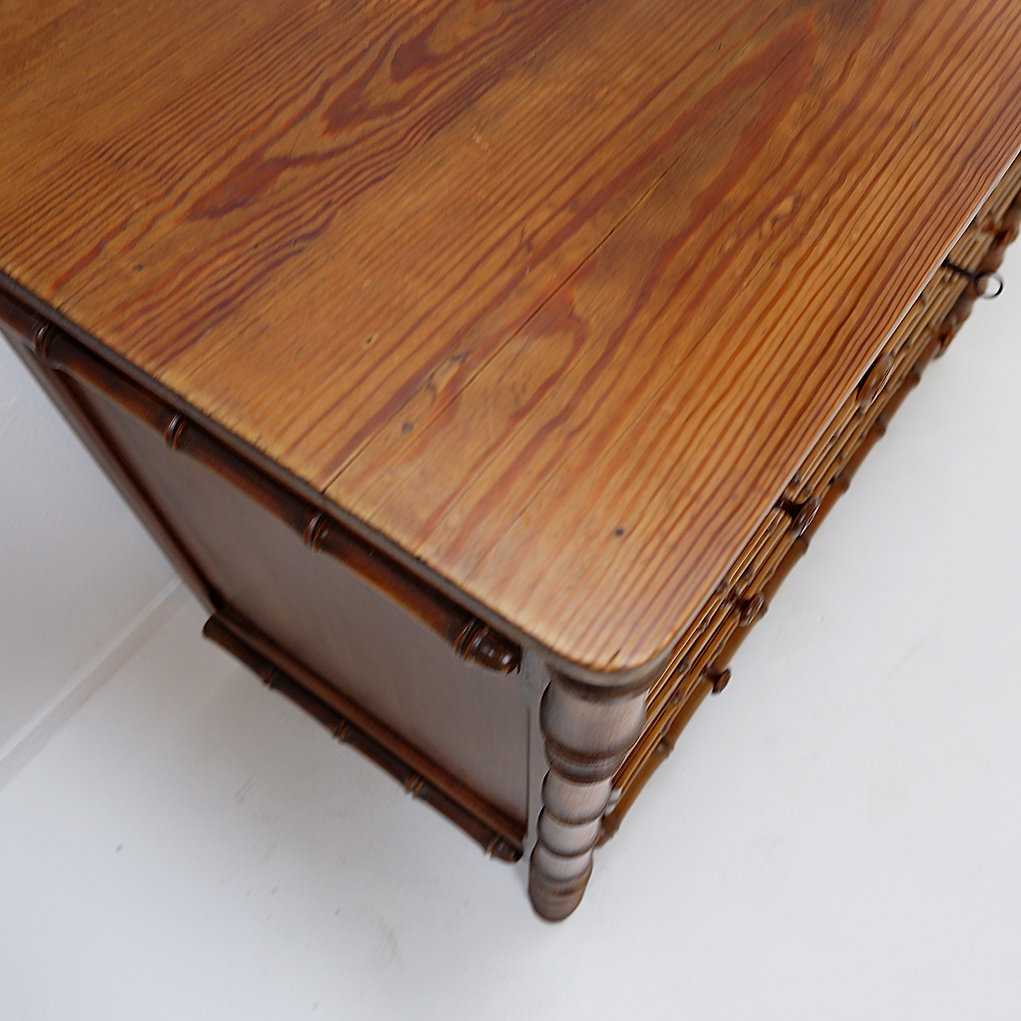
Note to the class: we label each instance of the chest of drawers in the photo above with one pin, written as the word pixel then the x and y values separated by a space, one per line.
pixel 483 367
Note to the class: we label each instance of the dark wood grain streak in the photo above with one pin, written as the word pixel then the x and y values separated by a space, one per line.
pixel 551 298
pixel 596 47
pixel 701 656
pixel 720 413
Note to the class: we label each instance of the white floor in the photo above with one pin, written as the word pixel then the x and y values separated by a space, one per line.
pixel 837 836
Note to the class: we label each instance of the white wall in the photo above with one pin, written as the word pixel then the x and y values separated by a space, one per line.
pixel 80 581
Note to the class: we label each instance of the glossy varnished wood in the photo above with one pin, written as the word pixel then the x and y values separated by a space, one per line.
pixel 552 296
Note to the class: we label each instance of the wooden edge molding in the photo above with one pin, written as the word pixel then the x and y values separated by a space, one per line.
pixel 500 836
pixel 469 637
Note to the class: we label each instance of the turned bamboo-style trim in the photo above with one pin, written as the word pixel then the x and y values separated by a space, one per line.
pixel 824 476
pixel 40 347
pixel 587 731
pixel 498 835
pixel 66 395
pixel 469 637
pixel 802 514
pixel 669 730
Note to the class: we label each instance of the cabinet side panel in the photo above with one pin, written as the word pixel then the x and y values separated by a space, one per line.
pixel 470 721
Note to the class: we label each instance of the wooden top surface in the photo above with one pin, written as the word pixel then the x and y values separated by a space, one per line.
pixel 553 295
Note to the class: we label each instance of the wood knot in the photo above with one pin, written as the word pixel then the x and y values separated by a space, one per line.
pixel 497 847
pixel 751 609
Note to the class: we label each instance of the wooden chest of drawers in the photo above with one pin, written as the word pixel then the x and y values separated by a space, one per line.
pixel 483 367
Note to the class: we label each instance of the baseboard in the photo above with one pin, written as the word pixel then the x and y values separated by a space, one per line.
pixel 19 750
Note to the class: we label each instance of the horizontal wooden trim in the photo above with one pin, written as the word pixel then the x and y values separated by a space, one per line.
pixel 470 638
pixel 699 664
pixel 500 836
pixel 66 396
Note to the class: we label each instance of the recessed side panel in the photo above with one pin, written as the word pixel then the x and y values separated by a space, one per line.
pixel 469 720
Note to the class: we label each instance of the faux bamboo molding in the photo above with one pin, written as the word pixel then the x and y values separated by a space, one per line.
pixel 498 836
pixel 826 474
pixel 487 350
pixel 587 731
pixel 468 636
pixel 62 363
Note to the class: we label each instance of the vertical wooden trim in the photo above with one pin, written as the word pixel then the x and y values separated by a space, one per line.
pixel 587 731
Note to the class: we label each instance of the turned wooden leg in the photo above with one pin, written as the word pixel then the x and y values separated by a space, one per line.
pixel 588 730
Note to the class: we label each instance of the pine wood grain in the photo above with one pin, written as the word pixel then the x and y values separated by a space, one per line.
pixel 554 296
